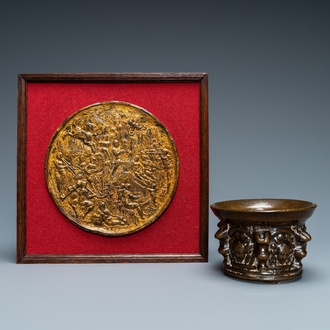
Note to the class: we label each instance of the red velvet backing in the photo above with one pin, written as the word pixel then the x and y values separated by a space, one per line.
pixel 176 105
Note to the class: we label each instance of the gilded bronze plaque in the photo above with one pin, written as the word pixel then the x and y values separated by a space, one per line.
pixel 112 168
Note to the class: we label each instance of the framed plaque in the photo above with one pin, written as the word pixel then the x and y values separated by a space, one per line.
pixel 112 168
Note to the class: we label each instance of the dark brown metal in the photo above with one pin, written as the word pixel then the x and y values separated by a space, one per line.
pixel 263 239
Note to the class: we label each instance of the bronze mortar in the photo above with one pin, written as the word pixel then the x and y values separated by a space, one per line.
pixel 263 239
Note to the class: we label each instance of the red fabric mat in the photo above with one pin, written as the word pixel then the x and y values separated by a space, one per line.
pixel 176 105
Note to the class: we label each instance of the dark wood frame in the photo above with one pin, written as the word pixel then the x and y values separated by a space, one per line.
pixel 24 79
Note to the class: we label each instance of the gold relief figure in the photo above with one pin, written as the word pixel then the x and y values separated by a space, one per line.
pixel 112 168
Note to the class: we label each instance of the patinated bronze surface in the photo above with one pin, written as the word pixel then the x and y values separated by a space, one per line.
pixel 112 168
pixel 263 239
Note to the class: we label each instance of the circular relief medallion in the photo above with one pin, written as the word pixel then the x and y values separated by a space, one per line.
pixel 112 168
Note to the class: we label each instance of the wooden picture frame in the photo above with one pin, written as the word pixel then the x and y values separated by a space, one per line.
pixel 101 78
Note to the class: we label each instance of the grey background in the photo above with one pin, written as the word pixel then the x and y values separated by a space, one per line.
pixel 268 66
